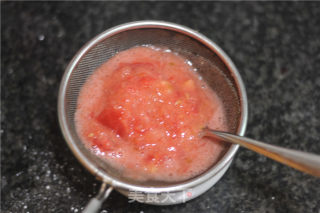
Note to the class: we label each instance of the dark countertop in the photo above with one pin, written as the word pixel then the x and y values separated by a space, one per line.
pixel 276 47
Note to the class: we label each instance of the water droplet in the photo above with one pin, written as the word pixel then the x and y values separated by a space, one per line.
pixel 55 177
pixel 189 63
pixel 171 149
pixel 183 134
pixel 68 190
pixel 61 33
pixel 191 137
pixel 19 173
pixel 41 37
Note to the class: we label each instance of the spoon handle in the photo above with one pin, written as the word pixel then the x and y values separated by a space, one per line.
pixel 303 161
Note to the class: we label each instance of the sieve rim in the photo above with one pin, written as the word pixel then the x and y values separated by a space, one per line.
pixel 151 24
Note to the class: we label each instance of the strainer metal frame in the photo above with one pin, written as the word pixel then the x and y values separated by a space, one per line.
pixel 90 166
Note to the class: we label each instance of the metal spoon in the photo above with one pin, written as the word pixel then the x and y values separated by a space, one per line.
pixel 303 161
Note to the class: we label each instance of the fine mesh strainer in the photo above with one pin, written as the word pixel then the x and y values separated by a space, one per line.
pixel 212 64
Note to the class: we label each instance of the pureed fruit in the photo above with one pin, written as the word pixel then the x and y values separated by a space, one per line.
pixel 142 112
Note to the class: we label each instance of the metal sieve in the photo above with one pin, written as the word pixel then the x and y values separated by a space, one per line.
pixel 212 64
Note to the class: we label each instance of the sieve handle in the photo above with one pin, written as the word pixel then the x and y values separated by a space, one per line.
pixel 95 203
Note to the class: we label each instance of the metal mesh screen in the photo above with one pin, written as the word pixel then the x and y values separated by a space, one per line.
pixel 208 64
